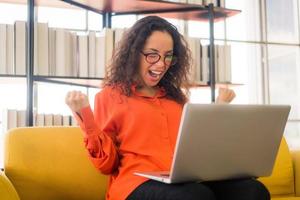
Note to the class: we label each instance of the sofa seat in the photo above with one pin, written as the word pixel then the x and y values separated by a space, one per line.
pixel 51 163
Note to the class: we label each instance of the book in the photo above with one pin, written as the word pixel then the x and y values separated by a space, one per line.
pixel 83 56
pixel 52 51
pixel 10 47
pixel 205 63
pixel 48 119
pixel 217 67
pixel 3 49
pixel 222 3
pixel 206 2
pixel 20 47
pixel 57 120
pixel 92 54
pixel 73 121
pixel 35 49
pixel 21 118
pixel 74 54
pixel 108 34
pixel 192 47
pixel 66 120
pixel 38 119
pixel 200 2
pixel 224 63
pixel 68 71
pixel 221 63
pixel 60 57
pixel 9 119
pixel 100 57
pixel 198 60
pixel 118 34
pixel 41 49
pixel 227 56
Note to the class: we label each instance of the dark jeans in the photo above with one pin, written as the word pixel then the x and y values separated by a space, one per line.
pixel 239 189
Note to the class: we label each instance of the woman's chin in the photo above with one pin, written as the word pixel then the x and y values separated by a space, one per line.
pixel 152 84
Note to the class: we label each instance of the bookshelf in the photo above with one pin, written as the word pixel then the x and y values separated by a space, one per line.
pixel 108 9
pixel 76 81
pixel 164 8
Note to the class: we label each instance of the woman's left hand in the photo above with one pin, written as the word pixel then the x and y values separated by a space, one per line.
pixel 226 95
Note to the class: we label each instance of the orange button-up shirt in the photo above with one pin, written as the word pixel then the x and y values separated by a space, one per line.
pixel 130 134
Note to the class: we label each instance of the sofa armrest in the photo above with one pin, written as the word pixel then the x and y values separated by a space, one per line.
pixel 7 190
pixel 296 162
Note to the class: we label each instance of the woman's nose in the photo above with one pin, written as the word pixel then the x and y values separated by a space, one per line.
pixel 161 62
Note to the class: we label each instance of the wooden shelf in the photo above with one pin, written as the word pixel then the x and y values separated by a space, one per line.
pixel 162 8
pixel 218 85
pixel 47 3
pixel 76 81
pixel 165 9
pixel 199 15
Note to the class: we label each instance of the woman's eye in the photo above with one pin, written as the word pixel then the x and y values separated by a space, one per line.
pixel 169 57
pixel 152 55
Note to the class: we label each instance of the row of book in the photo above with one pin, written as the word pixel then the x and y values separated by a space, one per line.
pixel 65 53
pixel 60 52
pixel 13 48
pixel 57 52
pixel 200 66
pixel 12 118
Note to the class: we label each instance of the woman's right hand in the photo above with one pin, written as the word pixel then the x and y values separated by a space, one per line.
pixel 76 100
pixel 225 96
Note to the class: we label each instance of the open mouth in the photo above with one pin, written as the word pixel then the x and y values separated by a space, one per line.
pixel 155 74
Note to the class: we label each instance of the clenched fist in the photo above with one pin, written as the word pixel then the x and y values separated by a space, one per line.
pixel 225 95
pixel 76 100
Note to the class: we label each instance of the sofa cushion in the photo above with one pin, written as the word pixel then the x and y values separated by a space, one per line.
pixel 51 163
pixel 281 182
pixel 286 198
pixel 7 190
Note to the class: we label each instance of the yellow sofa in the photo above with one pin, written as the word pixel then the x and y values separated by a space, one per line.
pixel 50 163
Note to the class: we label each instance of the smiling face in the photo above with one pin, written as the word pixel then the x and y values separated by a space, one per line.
pixel 158 43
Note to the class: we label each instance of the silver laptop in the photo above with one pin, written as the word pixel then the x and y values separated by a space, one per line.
pixel 218 142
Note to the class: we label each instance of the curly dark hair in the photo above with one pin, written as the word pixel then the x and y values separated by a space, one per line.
pixel 122 71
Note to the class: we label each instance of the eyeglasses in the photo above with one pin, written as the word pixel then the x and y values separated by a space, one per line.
pixel 153 58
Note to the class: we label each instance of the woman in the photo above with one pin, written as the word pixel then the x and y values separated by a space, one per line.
pixel 137 114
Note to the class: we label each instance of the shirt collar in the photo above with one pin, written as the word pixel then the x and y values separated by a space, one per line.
pixel 161 92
